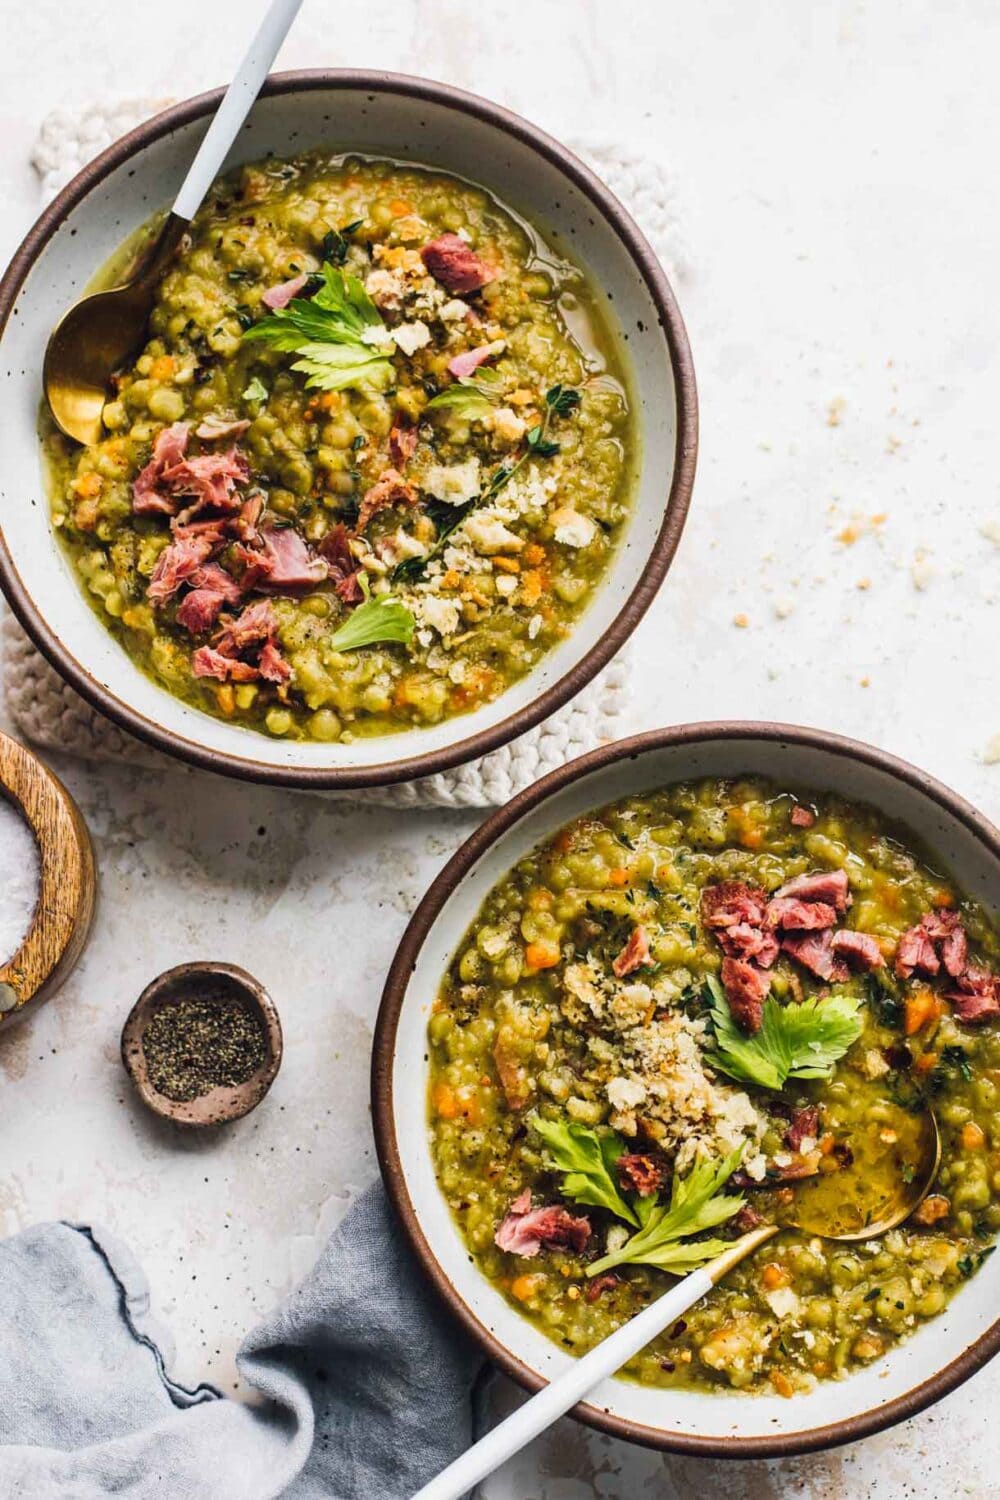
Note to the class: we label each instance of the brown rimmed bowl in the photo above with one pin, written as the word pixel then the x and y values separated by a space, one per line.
pixel 193 981
pixel 937 1358
pixel 375 114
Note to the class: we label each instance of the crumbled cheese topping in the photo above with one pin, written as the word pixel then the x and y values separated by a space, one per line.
pixel 439 613
pixel 488 534
pixel 377 336
pixel 453 311
pixel 454 483
pixel 412 336
pixel 386 288
pixel 573 529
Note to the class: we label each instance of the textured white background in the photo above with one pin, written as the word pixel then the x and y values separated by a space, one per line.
pixel 836 183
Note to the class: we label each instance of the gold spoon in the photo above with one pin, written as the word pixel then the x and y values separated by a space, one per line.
pixel 99 333
pixel 845 1205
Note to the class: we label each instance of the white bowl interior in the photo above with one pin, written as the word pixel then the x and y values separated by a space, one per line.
pixel 706 1415
pixel 380 122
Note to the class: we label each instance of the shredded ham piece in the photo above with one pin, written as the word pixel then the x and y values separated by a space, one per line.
pixel 390 488
pixel 640 1174
pixel 634 955
pixel 746 988
pixel 457 267
pixel 829 886
pixel 402 442
pixel 463 364
pixel 281 294
pixel 526 1230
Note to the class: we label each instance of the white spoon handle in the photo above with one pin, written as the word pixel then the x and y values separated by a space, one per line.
pixel 235 106
pixel 560 1395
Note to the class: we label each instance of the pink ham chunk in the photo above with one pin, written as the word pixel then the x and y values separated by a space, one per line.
pixel 279 561
pixel 634 955
pixel 804 1125
pixel 731 903
pixel 207 662
pixel 802 817
pixel 737 915
pixel 859 949
pixel 211 588
pixel 402 442
pixel 526 1230
pixel 280 295
pixel 455 265
pixel 746 988
pixel 976 996
pixel 148 495
pixel 463 365
pixel 800 916
pixel 178 563
pixel 938 940
pixel 815 952
pixel 828 886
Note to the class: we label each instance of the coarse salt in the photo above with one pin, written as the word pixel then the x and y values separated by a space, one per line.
pixel 19 878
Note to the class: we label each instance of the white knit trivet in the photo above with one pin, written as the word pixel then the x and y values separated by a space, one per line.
pixel 52 714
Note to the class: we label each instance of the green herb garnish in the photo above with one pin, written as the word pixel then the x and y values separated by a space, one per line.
pixel 799 1040
pixel 383 619
pixel 326 331
pixel 696 1204
pixel 970 1263
pixel 334 245
pixel 883 997
pixel 255 390
pixel 471 396
pixel 955 1059
pixel 587 1161
pixel 559 401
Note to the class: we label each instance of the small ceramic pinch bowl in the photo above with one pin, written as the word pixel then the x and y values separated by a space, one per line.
pixel 937 1357
pixel 194 981
pixel 375 114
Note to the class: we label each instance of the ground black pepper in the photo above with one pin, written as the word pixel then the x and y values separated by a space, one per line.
pixel 200 1043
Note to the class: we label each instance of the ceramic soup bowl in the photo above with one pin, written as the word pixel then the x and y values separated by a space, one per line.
pixel 375 114
pixel 936 1358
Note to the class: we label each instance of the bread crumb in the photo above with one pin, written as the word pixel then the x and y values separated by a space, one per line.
pixel 991 755
pixel 991 531
pixel 866 682
pixel 835 411
pixel 922 571
pixel 783 607
pixel 863 584
pixel 741 621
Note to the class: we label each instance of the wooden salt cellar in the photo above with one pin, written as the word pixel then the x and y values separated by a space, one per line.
pixel 68 883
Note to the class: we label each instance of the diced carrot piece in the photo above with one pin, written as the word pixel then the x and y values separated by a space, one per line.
pixel 619 877
pixel 782 1384
pixel 87 485
pixel 921 1007
pixel 445 1101
pixel 826 1143
pixel 972 1136
pixel 926 1062
pixel 539 899
pixel 399 207
pixel 943 897
pixel 523 1287
pixel 542 955
pixel 507 564
pixel 775 1275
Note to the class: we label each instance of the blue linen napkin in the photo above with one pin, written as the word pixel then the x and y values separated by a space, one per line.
pixel 366 1383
